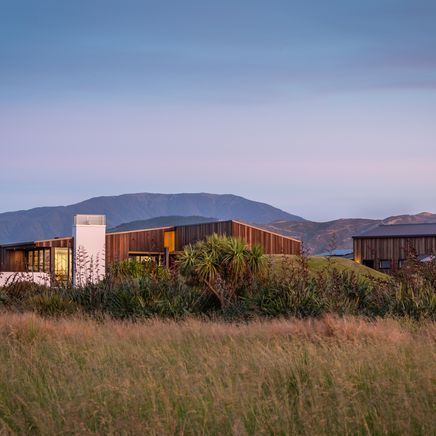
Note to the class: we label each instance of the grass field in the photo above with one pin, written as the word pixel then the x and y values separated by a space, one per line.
pixel 326 376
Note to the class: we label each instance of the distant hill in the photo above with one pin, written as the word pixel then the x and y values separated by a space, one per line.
pixel 47 222
pixel 161 221
pixel 319 237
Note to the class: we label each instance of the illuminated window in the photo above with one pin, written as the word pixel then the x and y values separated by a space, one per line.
pixel 62 264
pixel 38 260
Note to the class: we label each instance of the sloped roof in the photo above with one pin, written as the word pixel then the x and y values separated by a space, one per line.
pixel 400 230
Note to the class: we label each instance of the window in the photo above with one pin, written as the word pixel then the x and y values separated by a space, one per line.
pixel 401 263
pixel 63 264
pixel 368 262
pixel 385 264
pixel 38 260
pixel 149 259
pixel 139 258
pixel 30 261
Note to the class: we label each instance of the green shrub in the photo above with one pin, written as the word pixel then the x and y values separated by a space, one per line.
pixel 222 265
pixel 278 289
pixel 52 304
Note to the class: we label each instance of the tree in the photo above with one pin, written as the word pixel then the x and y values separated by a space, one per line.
pixel 222 265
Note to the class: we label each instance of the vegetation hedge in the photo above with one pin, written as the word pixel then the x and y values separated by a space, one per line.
pixel 249 287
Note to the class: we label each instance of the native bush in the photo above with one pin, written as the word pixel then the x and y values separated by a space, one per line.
pixel 53 304
pixel 221 277
pixel 222 265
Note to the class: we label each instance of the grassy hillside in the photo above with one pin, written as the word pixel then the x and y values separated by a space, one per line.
pixel 315 377
pixel 317 264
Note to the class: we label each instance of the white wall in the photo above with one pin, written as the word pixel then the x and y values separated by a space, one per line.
pixel 89 233
pixel 7 278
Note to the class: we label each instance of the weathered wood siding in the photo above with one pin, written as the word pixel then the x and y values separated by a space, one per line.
pixel 12 260
pixel 151 241
pixel 55 243
pixel 392 248
pixel 118 245
pixel 190 234
pixel 272 243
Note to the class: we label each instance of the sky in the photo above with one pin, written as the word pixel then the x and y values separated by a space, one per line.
pixel 326 109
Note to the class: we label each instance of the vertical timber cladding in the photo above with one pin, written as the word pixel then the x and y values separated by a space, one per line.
pixel 13 260
pixel 118 245
pixel 272 243
pixel 55 243
pixel 392 248
pixel 196 232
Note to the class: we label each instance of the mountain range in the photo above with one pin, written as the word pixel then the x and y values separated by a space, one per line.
pixel 320 237
pixel 146 210
pixel 47 222
pixel 161 221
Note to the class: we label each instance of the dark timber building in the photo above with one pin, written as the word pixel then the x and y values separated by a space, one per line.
pixel 55 256
pixel 387 247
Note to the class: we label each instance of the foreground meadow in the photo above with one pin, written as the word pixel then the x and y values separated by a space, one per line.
pixel 326 376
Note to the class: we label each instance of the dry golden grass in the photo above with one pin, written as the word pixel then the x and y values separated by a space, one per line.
pixel 329 376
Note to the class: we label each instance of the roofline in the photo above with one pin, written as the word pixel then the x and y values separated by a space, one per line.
pixel 406 224
pixel 205 223
pixel 17 244
pixel 61 238
pixel 266 231
pixel 430 235
pixel 142 230
pixel 158 228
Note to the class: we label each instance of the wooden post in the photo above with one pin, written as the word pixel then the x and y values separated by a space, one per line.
pixel 167 257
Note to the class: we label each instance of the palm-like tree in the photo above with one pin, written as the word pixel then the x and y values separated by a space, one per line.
pixel 221 259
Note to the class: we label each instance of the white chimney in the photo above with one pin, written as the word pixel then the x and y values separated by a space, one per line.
pixel 89 233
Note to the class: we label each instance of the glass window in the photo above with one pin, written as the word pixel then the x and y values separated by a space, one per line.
pixel 35 261
pixel 62 264
pixel 368 262
pixel 401 263
pixel 30 261
pixel 41 260
pixel 385 264
pixel 140 258
pixel 47 260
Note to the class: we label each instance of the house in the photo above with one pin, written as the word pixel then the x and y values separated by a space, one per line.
pixel 91 249
pixel 388 246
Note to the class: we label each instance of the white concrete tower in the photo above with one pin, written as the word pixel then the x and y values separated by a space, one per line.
pixel 89 233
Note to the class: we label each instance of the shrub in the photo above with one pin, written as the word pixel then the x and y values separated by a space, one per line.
pixel 52 304
pixel 223 265
pixel 245 286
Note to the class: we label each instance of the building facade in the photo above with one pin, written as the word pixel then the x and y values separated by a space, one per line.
pixel 387 247
pixel 91 248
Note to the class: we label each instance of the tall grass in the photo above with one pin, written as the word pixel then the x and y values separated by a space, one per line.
pixel 312 377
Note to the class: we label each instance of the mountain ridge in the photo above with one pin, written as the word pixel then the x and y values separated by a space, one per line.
pixel 319 237
pixel 161 221
pixel 48 222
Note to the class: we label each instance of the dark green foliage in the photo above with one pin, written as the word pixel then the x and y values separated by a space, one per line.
pixel 279 288
pixel 222 265
pixel 53 304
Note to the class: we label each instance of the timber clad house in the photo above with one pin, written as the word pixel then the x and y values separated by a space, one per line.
pixel 90 244
pixel 387 247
